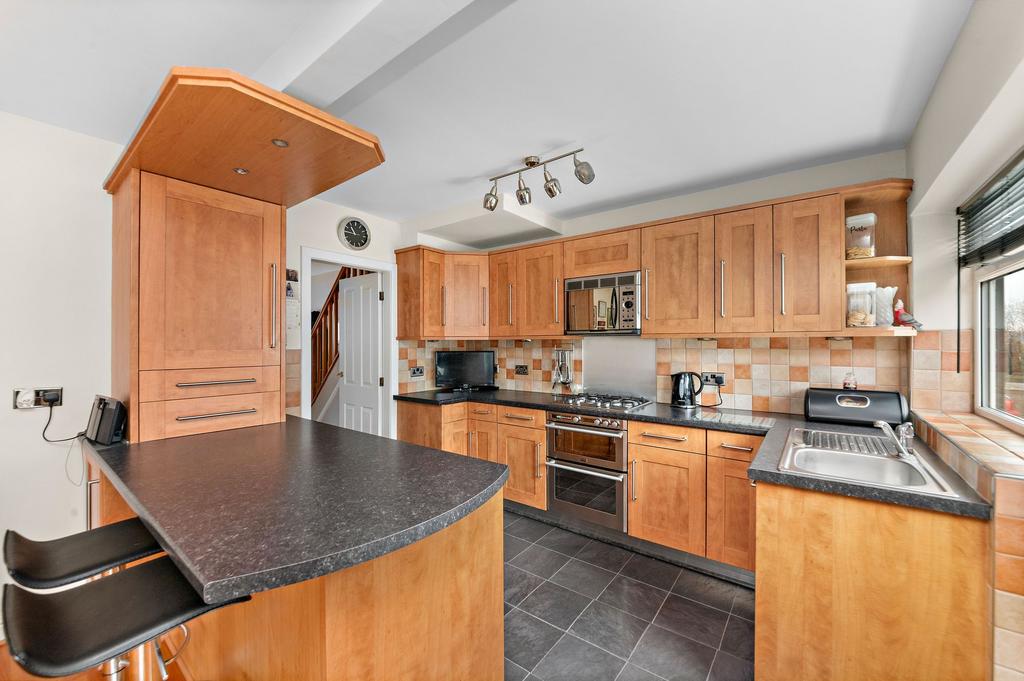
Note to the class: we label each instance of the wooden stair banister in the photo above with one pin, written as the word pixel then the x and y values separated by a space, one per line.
pixel 324 336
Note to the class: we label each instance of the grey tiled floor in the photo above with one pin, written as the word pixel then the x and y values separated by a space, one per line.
pixel 578 609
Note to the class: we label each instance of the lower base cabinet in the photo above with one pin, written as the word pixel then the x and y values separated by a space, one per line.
pixel 730 513
pixel 455 437
pixel 667 497
pixel 524 450
pixel 483 440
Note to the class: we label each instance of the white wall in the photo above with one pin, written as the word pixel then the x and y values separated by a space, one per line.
pixel 972 125
pixel 321 285
pixel 852 171
pixel 314 223
pixel 55 275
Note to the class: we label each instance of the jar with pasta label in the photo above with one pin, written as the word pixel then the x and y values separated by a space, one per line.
pixel 860 236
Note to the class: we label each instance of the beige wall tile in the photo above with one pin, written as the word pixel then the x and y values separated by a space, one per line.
pixel 1003 674
pixel 1009 649
pixel 1009 611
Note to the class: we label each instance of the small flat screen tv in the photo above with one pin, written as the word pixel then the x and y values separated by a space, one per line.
pixel 466 369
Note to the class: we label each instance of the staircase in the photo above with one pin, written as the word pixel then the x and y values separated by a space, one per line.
pixel 324 338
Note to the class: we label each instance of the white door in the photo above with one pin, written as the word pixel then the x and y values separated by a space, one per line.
pixel 359 363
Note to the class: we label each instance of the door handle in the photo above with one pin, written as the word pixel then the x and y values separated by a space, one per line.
pixel 273 305
pixel 510 304
pixel 214 415
pixel 647 294
pixel 605 476
pixel 536 461
pixel 483 307
pixel 721 288
pixel 658 436
pixel 738 448
pixel 517 417
pixel 782 280
pixel 201 384
pixel 556 301
pixel 632 481
pixel 469 443
pixel 444 305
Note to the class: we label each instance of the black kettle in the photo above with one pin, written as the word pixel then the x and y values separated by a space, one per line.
pixel 683 393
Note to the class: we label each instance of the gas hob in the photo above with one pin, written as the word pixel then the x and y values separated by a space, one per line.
pixel 611 402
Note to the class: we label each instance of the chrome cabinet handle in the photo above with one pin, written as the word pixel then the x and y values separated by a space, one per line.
pixel 88 502
pixel 481 411
pixel 510 304
pixel 469 443
pixel 647 294
pixel 483 307
pixel 782 267
pixel 738 448
pixel 721 288
pixel 444 305
pixel 215 414
pixel 273 308
pixel 554 464
pixel 632 481
pixel 658 436
pixel 586 431
pixel 556 301
pixel 536 461
pixel 517 417
pixel 201 384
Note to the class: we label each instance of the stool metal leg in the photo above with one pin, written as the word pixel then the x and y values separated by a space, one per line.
pixel 113 669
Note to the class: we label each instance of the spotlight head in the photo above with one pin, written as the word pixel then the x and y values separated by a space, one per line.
pixel 552 187
pixel 584 171
pixel 491 197
pixel 523 195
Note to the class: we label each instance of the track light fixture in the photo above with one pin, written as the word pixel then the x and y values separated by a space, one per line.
pixel 552 187
pixel 523 195
pixel 491 198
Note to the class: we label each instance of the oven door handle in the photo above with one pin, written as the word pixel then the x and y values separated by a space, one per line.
pixel 607 476
pixel 586 431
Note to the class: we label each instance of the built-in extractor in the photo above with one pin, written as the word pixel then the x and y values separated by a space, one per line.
pixel 605 304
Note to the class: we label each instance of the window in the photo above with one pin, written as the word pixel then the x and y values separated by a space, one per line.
pixel 1001 344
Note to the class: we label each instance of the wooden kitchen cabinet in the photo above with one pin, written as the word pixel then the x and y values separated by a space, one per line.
pixel 731 519
pixel 678 271
pixel 540 291
pixel 524 451
pixel 502 294
pixel 809 265
pixel 743 279
pixel 483 440
pixel 211 275
pixel 667 497
pixel 465 310
pixel 603 254
pixel 455 437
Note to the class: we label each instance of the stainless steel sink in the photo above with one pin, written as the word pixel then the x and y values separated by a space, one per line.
pixel 865 459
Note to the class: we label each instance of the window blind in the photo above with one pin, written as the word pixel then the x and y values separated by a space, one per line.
pixel 992 223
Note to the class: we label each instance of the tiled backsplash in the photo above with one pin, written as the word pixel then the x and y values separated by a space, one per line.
pixel 538 355
pixel 935 383
pixel 771 374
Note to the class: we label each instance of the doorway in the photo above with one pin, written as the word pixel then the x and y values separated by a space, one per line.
pixel 355 391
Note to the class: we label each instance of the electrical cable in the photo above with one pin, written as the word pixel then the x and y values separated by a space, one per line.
pixel 63 439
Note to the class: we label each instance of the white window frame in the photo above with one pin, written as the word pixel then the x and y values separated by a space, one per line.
pixel 1002 267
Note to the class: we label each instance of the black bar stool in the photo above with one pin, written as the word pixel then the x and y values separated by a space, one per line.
pixel 49 564
pixel 65 632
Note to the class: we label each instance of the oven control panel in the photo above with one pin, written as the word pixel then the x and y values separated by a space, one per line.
pixel 627 307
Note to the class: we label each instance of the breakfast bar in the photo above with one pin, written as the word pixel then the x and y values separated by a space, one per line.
pixel 367 558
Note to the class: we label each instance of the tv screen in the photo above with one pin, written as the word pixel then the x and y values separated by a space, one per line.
pixel 464 369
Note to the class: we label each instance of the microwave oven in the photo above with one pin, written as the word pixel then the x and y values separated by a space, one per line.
pixel 604 304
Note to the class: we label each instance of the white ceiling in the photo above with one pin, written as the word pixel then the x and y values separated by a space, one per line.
pixel 667 96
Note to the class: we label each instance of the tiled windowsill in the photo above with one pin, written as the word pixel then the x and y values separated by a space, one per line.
pixel 977 448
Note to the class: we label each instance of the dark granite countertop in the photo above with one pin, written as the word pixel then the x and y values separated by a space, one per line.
pixel 241 511
pixel 765 466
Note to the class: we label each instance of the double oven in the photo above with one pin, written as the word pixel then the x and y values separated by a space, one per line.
pixel 588 468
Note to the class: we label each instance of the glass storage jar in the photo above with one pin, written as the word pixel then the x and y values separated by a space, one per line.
pixel 860 304
pixel 860 236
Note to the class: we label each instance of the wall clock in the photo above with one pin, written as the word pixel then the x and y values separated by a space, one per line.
pixel 354 233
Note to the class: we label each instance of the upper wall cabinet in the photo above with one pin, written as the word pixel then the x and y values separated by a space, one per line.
pixel 743 261
pixel 809 265
pixel 209 294
pixel 677 276
pixel 603 254
pixel 539 282
pixel 502 294
pixel 442 295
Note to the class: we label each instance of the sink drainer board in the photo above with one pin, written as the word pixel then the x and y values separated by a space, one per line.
pixel 861 459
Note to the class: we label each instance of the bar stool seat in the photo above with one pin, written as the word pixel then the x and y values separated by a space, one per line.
pixel 49 564
pixel 66 632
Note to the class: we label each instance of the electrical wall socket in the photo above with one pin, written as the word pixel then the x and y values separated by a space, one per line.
pixel 415 372
pixel 713 378
pixel 522 370
pixel 32 398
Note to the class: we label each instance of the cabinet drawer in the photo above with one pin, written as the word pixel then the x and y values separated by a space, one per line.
pixel 482 412
pixel 453 412
pixel 668 437
pixel 179 384
pixel 174 418
pixel 518 416
pixel 733 445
